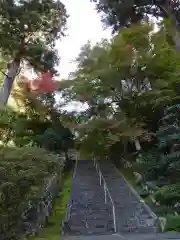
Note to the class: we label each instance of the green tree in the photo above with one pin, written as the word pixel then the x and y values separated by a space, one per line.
pixel 169 139
pixel 125 13
pixel 118 14
pixel 37 119
pixel 120 81
pixel 28 31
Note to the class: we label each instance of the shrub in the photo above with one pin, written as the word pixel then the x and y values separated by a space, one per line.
pixel 162 210
pixel 173 223
pixel 24 174
pixel 168 195
pixel 150 165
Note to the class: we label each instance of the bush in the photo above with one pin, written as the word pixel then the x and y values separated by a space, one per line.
pixel 162 210
pixel 24 173
pixel 173 223
pixel 162 181
pixel 168 195
pixel 150 165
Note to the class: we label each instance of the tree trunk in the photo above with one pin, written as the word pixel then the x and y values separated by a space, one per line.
pixel 9 78
pixel 177 40
pixel 168 12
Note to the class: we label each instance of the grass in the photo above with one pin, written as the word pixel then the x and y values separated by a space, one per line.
pixel 52 230
pixel 148 200
pixel 172 232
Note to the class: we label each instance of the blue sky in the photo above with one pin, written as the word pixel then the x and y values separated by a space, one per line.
pixel 83 24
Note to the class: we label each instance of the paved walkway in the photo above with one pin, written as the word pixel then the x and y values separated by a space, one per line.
pixel 160 236
pixel 156 236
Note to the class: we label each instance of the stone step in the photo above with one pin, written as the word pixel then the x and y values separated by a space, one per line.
pixel 89 204
pixel 135 229
pixel 86 232
pixel 90 222
pixel 91 230
pixel 85 191
pixel 90 201
pixel 93 209
pixel 82 188
pixel 81 220
pixel 95 214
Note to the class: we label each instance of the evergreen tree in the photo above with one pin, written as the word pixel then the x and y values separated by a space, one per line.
pixel 169 142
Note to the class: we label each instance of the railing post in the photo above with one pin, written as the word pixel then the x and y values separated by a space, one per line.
pixel 100 178
pixel 114 218
pixel 105 194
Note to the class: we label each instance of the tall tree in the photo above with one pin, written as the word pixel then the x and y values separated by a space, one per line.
pixel 124 13
pixel 118 14
pixel 28 31
pixel 125 85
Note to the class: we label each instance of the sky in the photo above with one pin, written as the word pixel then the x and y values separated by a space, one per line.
pixel 84 24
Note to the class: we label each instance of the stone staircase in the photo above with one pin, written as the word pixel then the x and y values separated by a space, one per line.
pixel 90 218
pixel 132 215
pixel 89 213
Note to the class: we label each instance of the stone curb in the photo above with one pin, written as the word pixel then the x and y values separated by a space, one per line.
pixel 168 236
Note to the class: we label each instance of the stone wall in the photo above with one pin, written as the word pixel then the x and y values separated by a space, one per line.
pixel 37 215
